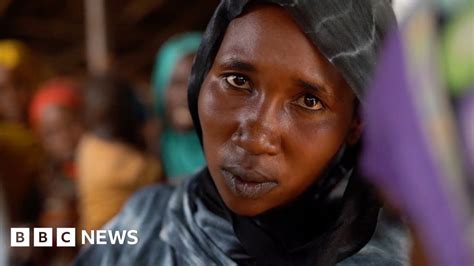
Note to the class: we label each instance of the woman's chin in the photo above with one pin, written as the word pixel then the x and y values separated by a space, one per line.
pixel 245 207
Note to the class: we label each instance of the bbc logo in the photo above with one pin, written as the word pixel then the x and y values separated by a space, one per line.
pixel 42 237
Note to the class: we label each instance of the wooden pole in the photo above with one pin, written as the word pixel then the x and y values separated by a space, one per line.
pixel 96 37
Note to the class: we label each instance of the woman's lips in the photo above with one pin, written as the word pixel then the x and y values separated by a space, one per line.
pixel 245 183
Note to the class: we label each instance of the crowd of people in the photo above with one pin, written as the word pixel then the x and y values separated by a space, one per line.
pixel 279 136
pixel 74 150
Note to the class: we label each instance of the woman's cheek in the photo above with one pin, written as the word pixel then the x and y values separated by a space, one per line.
pixel 216 113
pixel 212 105
pixel 317 140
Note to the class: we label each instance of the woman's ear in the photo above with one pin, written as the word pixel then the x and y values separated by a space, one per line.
pixel 355 131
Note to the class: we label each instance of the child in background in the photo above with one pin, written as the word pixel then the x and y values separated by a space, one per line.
pixel 112 158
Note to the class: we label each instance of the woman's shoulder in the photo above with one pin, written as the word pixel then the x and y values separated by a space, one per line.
pixel 141 216
pixel 144 207
pixel 156 194
pixel 389 245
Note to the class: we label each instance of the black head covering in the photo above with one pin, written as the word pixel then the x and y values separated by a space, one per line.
pixel 315 229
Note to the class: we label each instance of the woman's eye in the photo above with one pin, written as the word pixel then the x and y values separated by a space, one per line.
pixel 310 102
pixel 237 81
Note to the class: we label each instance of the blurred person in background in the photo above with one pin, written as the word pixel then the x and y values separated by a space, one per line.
pixel 21 160
pixel 180 149
pixel 55 116
pixel 112 159
pixel 20 74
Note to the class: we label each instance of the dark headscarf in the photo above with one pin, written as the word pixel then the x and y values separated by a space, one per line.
pixel 317 228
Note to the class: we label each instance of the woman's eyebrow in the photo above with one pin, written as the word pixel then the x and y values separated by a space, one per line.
pixel 238 65
pixel 313 87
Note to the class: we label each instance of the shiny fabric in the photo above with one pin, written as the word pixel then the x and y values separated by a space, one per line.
pixel 187 232
pixel 332 220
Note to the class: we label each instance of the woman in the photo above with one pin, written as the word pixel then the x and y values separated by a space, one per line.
pixel 273 95
pixel 180 150
pixel 54 115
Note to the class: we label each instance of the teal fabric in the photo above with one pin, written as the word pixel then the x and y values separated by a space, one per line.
pixel 181 153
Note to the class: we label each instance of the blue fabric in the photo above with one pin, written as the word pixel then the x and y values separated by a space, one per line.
pixel 181 152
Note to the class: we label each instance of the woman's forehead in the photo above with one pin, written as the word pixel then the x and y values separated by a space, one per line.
pixel 260 19
pixel 264 30
pixel 267 38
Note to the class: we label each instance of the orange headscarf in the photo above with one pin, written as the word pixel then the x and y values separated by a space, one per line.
pixel 57 92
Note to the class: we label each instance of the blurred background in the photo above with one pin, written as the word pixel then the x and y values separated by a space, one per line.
pixel 93 107
pixel 56 30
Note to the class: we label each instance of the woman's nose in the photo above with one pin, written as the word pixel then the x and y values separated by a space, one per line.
pixel 259 132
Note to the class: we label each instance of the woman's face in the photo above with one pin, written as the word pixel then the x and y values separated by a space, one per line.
pixel 60 131
pixel 273 112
